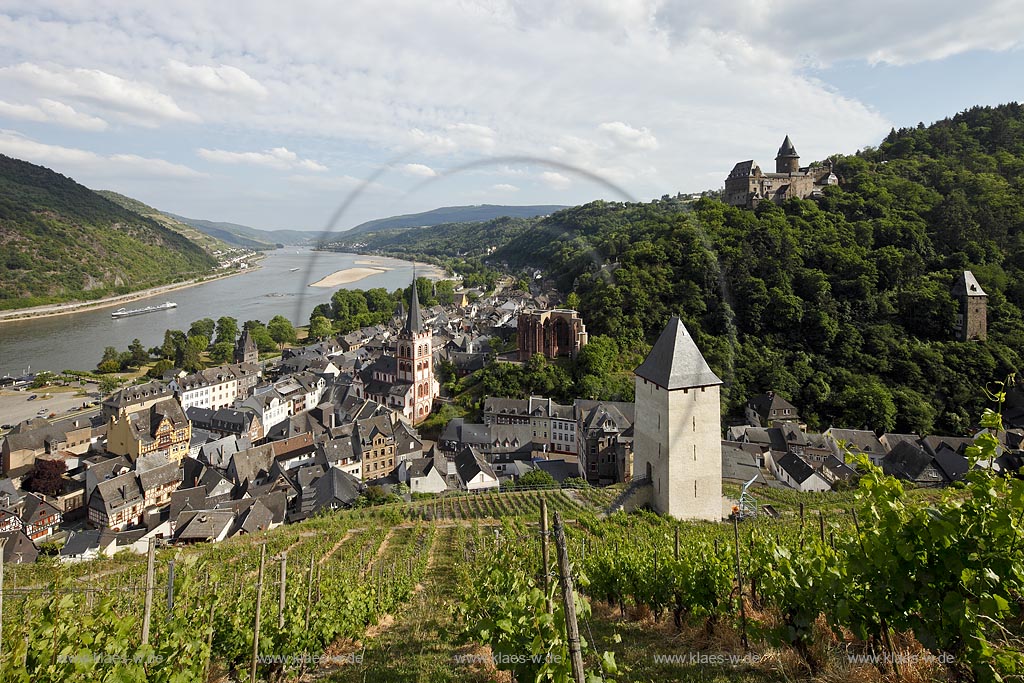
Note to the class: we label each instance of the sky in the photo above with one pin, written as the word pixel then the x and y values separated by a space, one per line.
pixel 277 115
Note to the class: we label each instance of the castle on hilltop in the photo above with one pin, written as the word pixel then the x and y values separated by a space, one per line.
pixel 747 185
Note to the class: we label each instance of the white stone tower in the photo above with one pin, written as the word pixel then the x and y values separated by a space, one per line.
pixel 415 360
pixel 678 428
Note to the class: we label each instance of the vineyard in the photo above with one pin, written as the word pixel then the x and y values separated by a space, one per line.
pixel 875 584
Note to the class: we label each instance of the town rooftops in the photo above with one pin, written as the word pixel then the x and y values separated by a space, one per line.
pixel 675 362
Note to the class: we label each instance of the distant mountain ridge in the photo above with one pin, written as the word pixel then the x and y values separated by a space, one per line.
pixel 61 241
pixel 452 214
pixel 244 236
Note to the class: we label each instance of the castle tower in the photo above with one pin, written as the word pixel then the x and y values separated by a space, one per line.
pixel 415 360
pixel 972 319
pixel 246 350
pixel 678 428
pixel 787 160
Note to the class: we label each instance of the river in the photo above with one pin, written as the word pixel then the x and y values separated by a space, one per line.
pixel 76 341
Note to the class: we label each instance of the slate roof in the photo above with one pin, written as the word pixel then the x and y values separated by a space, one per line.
pixel 968 285
pixel 80 542
pixel 144 423
pixel 257 518
pixel 469 463
pixel 739 464
pixel 675 362
pixel 910 462
pixel 787 149
pixel 796 467
pixel 414 321
pixel 336 489
pixel 120 492
pixel 560 470
pixel 162 475
pixel 138 394
pixel 36 510
pixel 952 464
pixel 743 169
pixel 19 548
pixel 202 525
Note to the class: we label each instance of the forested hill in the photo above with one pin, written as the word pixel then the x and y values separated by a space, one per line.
pixel 60 241
pixel 451 214
pixel 842 305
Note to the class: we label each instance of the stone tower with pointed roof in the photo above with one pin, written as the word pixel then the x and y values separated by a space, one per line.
pixel 747 185
pixel 678 428
pixel 415 360
pixel 972 318
pixel 787 160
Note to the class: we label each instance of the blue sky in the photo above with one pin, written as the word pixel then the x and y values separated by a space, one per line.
pixel 271 114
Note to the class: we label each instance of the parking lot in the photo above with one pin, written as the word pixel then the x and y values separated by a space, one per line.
pixel 15 406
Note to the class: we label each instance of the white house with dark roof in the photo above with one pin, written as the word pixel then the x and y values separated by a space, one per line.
pixel 473 471
pixel 678 428
pixel 793 470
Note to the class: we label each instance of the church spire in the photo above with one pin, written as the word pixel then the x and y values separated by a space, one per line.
pixel 414 323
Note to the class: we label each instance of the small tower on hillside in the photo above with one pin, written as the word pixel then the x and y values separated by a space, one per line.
pixel 415 360
pixel 678 428
pixel 787 160
pixel 972 319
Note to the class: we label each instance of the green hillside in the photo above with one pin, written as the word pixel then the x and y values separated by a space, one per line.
pixel 451 214
pixel 63 242
pixel 211 245
pixel 244 236
pixel 843 304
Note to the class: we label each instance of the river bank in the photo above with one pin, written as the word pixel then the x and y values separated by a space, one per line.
pixel 52 310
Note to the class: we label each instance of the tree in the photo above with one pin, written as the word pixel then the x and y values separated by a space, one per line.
pixel 222 352
pixel 191 352
pixel 174 345
pixel 137 354
pixel 319 328
pixel 533 479
pixel 572 301
pixel 281 330
pixel 43 379
pixel 159 368
pixel 203 327
pixel 109 385
pixel 46 477
pixel 227 329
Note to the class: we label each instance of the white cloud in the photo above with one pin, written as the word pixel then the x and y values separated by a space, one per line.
pixel 51 111
pixel 505 187
pixel 343 182
pixel 219 79
pixel 134 101
pixel 657 95
pixel 84 165
pixel 421 170
pixel 278 157
pixel 555 180
pixel 627 136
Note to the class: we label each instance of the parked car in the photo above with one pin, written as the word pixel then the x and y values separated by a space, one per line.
pixel 43 412
pixel 33 397
pixel 6 426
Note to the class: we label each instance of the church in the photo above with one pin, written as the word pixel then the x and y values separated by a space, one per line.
pixel 747 185
pixel 405 381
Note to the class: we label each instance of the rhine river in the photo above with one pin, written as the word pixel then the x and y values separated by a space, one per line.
pixel 76 341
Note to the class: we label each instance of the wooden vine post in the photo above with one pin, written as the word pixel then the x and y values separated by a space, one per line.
pixel 571 626
pixel 256 621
